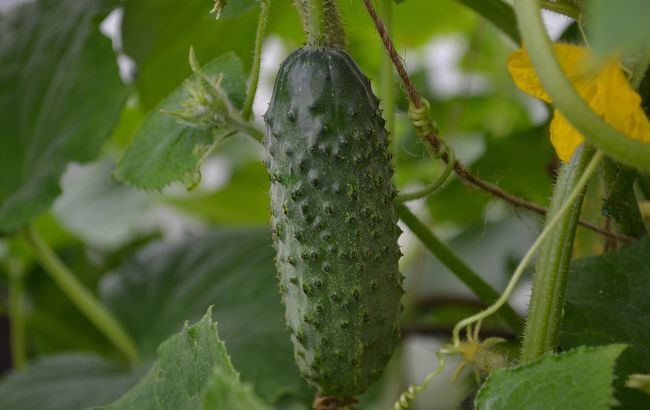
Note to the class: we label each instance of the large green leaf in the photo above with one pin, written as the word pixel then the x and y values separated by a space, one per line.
pixel 233 270
pixel 187 363
pixel 619 25
pixel 61 95
pixel 157 34
pixel 607 302
pixel 98 209
pixel 165 150
pixel 580 379
pixel 66 382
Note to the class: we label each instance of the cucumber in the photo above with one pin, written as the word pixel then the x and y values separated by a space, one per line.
pixel 334 227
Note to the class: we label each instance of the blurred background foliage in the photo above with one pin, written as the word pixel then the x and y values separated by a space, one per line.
pixel 156 259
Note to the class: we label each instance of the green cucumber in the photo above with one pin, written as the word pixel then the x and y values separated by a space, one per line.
pixel 334 227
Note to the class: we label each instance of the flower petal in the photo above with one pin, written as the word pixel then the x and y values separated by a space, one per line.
pixel 574 61
pixel 564 137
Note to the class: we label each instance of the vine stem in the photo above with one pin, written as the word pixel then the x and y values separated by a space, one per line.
pixel 575 193
pixel 550 277
pixel 321 22
pixel 434 140
pixel 16 273
pixel 80 296
pixel 482 289
pixel 596 131
pixel 257 59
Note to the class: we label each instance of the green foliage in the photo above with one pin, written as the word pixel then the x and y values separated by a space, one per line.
pixel 52 54
pixel 156 260
pixel 579 379
pixel 223 391
pixel 619 25
pixel 187 363
pixel 230 269
pixel 607 302
pixel 74 381
pixel 166 149
pixel 158 33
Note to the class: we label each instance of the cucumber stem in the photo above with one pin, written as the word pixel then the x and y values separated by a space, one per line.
pixel 549 280
pixel 80 296
pixel 257 59
pixel 552 222
pixel 321 22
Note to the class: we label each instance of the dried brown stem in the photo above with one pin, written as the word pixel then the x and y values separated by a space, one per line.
pixel 433 139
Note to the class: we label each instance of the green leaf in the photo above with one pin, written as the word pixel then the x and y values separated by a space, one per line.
pixel 498 13
pixel 580 379
pixel 165 150
pixel 618 25
pixel 187 362
pixel 166 284
pixel 61 95
pixel 66 382
pixel 244 201
pixel 157 34
pixel 223 391
pixel 607 302
pixel 98 209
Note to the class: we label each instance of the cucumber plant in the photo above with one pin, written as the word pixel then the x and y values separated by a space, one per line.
pixel 335 153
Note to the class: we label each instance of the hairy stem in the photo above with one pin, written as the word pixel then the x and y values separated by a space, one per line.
pixel 321 22
pixel 551 223
pixel 80 296
pixel 16 312
pixel 549 280
pixel 257 59
pixel 333 24
pixel 597 132
pixel 463 272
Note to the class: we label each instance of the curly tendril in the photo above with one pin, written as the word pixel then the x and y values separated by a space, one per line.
pixel 424 126
pixel 405 399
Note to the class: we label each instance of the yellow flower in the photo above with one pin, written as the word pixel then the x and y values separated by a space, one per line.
pixel 605 89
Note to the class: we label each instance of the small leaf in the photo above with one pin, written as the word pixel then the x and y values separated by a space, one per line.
pixel 186 363
pixel 165 150
pixel 580 379
pixel 607 302
pixel 61 95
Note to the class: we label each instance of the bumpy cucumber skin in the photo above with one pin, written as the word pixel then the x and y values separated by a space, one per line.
pixel 334 227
